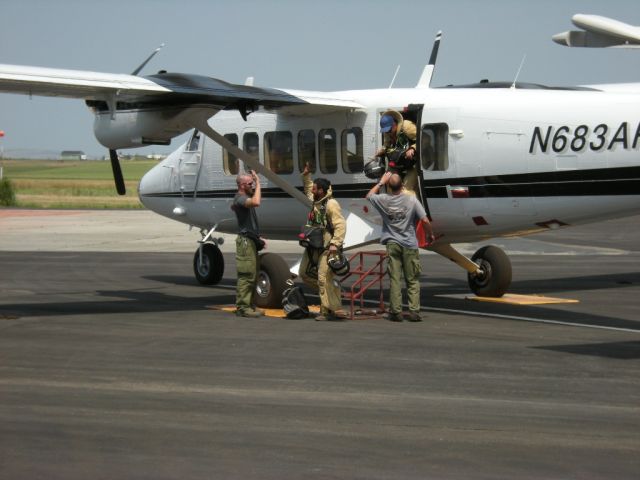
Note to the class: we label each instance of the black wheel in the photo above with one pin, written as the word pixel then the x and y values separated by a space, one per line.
pixel 209 271
pixel 272 281
pixel 495 277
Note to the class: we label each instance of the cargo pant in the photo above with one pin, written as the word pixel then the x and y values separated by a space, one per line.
pixel 403 262
pixel 330 298
pixel 247 268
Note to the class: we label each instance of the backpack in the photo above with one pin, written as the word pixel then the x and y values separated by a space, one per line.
pixel 312 237
pixel 294 303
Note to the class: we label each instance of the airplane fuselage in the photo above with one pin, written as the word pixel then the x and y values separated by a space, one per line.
pixel 493 161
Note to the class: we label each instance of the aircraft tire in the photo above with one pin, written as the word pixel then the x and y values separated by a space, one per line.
pixel 272 281
pixel 496 276
pixel 210 271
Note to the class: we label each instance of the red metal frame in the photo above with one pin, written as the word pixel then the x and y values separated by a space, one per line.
pixel 359 287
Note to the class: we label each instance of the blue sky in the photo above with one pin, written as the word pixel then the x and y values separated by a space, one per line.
pixel 328 45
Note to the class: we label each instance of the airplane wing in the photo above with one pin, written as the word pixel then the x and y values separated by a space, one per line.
pixel 599 32
pixel 162 88
pixel 197 96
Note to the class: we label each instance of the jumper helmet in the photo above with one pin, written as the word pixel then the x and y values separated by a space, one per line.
pixel 339 264
pixel 374 169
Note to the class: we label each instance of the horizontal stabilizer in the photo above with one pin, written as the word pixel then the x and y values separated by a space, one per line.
pixel 599 32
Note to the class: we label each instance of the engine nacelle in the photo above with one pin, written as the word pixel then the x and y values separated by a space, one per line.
pixel 141 127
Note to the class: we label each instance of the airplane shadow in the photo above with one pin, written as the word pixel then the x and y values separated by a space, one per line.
pixel 122 302
pixel 554 285
pixel 432 296
pixel 150 301
pixel 616 350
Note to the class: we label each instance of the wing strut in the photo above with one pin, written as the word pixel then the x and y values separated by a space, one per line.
pixel 204 127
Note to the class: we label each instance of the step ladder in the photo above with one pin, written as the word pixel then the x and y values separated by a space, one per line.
pixel 367 270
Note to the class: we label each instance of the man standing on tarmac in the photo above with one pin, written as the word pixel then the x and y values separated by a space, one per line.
pixel 248 242
pixel 314 268
pixel 400 213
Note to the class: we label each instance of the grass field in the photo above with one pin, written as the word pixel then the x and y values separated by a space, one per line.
pixel 74 183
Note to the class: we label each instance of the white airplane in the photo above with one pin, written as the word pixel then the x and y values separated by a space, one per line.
pixel 495 159
pixel 599 32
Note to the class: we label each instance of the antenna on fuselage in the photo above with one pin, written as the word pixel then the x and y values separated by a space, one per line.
pixel 513 85
pixel 142 65
pixel 394 76
pixel 427 73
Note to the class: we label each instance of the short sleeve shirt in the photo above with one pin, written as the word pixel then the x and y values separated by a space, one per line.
pixel 400 213
pixel 247 218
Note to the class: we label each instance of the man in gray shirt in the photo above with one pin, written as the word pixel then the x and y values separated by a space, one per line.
pixel 248 242
pixel 400 213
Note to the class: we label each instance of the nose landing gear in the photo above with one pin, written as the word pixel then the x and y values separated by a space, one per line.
pixel 208 264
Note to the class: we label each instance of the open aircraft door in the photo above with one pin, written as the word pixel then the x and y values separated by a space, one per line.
pixel 438 163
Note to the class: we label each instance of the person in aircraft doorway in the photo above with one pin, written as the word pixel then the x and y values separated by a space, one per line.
pixel 248 242
pixel 399 146
pixel 400 213
pixel 326 216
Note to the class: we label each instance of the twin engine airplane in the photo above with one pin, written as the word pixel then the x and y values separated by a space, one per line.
pixel 495 158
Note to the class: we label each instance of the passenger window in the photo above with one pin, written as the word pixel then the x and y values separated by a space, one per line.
pixel 307 149
pixel 251 145
pixel 278 152
pixel 229 160
pixel 327 150
pixel 194 142
pixel 434 146
pixel 351 150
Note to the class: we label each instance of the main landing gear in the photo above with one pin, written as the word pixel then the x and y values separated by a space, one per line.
pixel 488 270
pixel 273 271
pixel 273 274
pixel 494 275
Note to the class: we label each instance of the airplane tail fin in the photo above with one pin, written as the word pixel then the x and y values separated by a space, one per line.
pixel 427 73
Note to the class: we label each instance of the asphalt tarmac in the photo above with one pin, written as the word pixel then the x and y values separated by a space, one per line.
pixel 113 365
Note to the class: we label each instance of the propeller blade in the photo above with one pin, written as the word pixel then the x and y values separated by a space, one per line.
pixel 117 172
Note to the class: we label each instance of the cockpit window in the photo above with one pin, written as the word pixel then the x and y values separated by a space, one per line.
pixel 194 142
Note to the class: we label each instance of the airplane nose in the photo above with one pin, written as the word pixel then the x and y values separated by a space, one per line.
pixel 156 181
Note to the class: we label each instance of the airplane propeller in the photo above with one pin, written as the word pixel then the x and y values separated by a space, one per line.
pixel 117 172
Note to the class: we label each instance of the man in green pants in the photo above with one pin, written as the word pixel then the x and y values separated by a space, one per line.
pixel 248 243
pixel 400 213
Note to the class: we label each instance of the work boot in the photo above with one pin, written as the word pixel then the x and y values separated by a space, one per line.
pixel 248 313
pixel 328 317
pixel 395 317
pixel 414 317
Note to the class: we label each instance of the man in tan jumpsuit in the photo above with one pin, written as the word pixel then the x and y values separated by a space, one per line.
pixel 325 212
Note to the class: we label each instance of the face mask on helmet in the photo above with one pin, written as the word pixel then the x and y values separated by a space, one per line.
pixel 374 169
pixel 339 264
